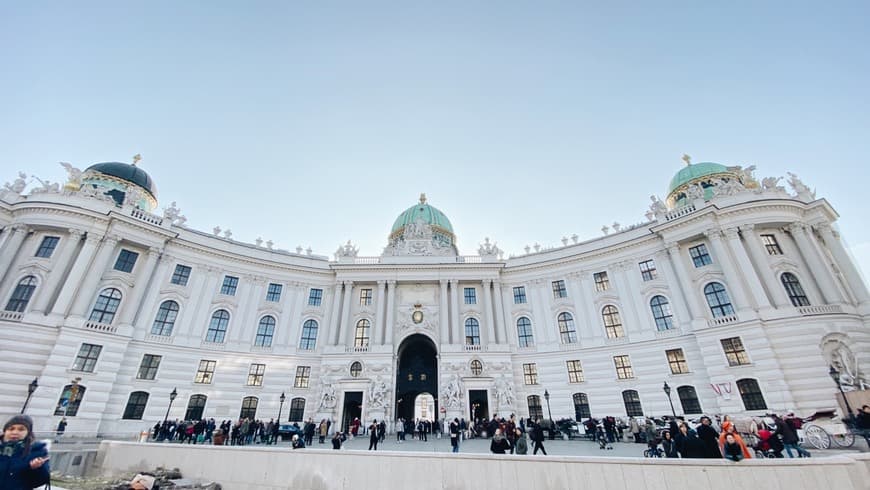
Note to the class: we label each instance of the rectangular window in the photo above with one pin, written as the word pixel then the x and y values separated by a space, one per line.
pixel 205 372
pixel 303 373
pixel 771 245
pixel 274 292
pixel 255 374
pixel 734 351
pixel 575 372
pixel 148 367
pixel 559 290
pixel 46 248
pixel 470 296
pixel 315 297
pixel 87 357
pixel 181 275
pixel 677 361
pixel 700 256
pixel 530 373
pixel 230 285
pixel 648 270
pixel 365 297
pixel 602 283
pixel 623 367
pixel 126 260
pixel 520 295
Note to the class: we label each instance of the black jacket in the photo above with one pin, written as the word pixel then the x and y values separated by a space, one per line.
pixel 710 439
pixel 15 472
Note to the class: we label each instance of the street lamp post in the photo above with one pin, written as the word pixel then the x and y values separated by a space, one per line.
pixel 171 399
pixel 835 375
pixel 549 413
pixel 667 389
pixel 281 406
pixel 30 389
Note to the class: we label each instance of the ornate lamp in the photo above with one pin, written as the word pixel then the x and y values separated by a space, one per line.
pixel 667 389
pixel 172 397
pixel 281 406
pixel 30 389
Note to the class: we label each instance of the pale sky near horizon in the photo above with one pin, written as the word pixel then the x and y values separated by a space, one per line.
pixel 311 123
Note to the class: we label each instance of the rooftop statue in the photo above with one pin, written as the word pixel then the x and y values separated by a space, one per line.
pixel 18 185
pixel 802 191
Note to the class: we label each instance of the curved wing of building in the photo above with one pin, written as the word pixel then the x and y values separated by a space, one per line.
pixel 735 294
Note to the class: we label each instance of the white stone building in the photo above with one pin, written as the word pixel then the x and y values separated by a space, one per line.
pixel 737 294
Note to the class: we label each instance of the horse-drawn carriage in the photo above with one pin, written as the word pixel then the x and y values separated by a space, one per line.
pixel 824 428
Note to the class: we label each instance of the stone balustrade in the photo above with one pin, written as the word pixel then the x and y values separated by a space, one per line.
pixel 100 327
pixel 146 217
pixel 819 310
pixel 11 316
pixel 722 320
pixel 680 212
pixel 160 339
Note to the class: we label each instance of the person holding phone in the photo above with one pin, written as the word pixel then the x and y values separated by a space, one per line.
pixel 23 460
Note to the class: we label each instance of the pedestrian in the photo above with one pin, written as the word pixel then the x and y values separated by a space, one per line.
pixel 322 430
pixel 373 435
pixel 336 440
pixel 23 460
pixel 400 430
pixel 454 435
pixel 710 438
pixel 522 444
pixel 728 428
pixel 669 444
pixel 689 445
pixel 634 427
pixel 499 443
pixel 538 437
pixel 790 440
pixel 732 450
pixel 61 428
pixel 298 442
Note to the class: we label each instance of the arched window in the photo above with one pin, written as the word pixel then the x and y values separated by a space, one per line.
pixel 355 369
pixel 689 400
pixel 165 319
pixel 309 335
pixel 567 332
pixel 524 332
pixel 612 322
pixel 476 367
pixel 661 310
pixel 535 410
pixel 717 298
pixel 249 408
pixel 70 400
pixel 632 403
pixel 297 409
pixel 217 327
pixel 472 332
pixel 751 394
pixel 21 296
pixel 135 405
pixel 792 286
pixel 265 331
pixel 195 407
pixel 361 334
pixel 106 306
pixel 581 406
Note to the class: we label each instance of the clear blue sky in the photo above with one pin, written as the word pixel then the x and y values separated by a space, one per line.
pixel 316 122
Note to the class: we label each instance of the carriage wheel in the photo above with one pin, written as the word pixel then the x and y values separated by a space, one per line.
pixel 844 440
pixel 817 436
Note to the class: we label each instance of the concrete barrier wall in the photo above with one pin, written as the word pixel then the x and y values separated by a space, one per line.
pixel 317 469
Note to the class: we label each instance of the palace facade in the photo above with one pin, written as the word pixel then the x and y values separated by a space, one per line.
pixel 737 295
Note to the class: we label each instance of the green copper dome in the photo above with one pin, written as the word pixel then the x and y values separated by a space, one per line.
pixel 429 214
pixel 696 171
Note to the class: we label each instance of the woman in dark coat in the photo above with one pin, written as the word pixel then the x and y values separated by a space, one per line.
pixel 688 444
pixel 23 461
pixel 708 435
pixel 669 444
pixel 499 443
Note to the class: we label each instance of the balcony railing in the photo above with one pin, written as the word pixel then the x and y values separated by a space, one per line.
pixel 473 348
pixel 214 345
pixel 616 340
pixel 261 348
pixel 722 320
pixel 160 339
pixel 11 316
pixel 359 349
pixel 670 332
pixel 101 327
pixel 569 346
pixel 146 217
pixel 680 212
pixel 819 310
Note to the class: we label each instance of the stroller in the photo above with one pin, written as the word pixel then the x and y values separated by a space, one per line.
pixel 601 437
pixel 653 450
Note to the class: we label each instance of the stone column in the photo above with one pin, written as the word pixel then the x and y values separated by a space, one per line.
pixel 486 284
pixel 290 320
pixel 684 283
pixel 334 316
pixel 391 307
pixel 95 274
pixel 76 274
pixel 844 263
pixel 245 326
pixel 735 285
pixel 347 325
pixel 629 294
pixel 543 317
pixel 501 325
pixel 579 282
pixel 11 247
pixel 759 256
pixel 458 335
pixel 152 295
pixel 443 319
pixel 62 257
pixel 677 298
pixel 380 313
pixel 827 287
pixel 141 279
pixel 746 269
pixel 204 296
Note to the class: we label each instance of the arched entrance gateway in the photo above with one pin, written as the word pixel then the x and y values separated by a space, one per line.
pixel 416 375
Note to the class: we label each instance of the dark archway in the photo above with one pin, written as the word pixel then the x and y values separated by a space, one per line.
pixel 417 373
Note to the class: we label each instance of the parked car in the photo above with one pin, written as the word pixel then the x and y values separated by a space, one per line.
pixel 287 431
